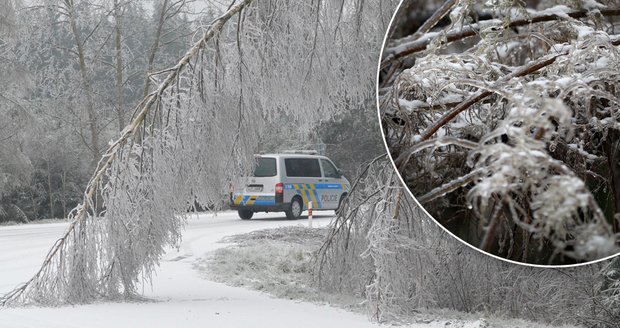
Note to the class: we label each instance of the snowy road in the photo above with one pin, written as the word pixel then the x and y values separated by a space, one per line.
pixel 182 297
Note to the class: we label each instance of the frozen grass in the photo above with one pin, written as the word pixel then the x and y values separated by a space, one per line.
pixel 277 261
pixel 280 262
pixel 455 319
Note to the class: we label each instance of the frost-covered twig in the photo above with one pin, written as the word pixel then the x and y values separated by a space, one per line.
pixel 522 71
pixel 449 187
pixel 421 43
pixel 405 155
pixel 440 13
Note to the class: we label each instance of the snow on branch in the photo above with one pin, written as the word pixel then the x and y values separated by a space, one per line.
pixel 515 129
pixel 422 42
pixel 96 257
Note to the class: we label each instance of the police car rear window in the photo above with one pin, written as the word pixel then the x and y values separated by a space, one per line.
pixel 302 167
pixel 265 167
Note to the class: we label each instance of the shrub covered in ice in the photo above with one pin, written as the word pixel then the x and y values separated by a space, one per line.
pixel 512 112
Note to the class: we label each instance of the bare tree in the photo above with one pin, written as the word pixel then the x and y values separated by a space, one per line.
pixel 120 102
pixel 69 9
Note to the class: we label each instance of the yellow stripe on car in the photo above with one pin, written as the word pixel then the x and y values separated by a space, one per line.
pixel 311 192
pixel 305 197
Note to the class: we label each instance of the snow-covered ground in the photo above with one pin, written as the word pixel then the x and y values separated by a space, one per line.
pixel 181 297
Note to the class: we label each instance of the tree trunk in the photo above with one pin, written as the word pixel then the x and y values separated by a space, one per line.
pixel 63 199
pixel 155 46
pixel 92 115
pixel 49 190
pixel 120 103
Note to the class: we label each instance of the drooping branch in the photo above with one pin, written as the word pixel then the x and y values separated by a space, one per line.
pixel 27 291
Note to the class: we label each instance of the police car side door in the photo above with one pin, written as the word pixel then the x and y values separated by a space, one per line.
pixel 331 186
pixel 303 174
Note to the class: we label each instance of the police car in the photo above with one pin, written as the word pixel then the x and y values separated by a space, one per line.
pixel 287 182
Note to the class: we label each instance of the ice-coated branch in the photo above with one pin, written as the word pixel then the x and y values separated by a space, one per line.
pixel 522 71
pixel 346 211
pixel 440 13
pixel 539 101
pixel 404 156
pixel 421 43
pixel 449 187
pixel 55 279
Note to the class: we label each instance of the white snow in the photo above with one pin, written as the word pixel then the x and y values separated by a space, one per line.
pixel 559 10
pixel 603 62
pixel 450 98
pixel 582 152
pixel 411 105
pixel 564 81
pixel 592 5
pixel 507 49
pixel 181 297
pixel 584 32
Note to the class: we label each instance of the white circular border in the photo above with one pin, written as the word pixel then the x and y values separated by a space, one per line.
pixel 403 184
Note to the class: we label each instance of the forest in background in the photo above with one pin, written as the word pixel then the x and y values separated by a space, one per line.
pixel 72 72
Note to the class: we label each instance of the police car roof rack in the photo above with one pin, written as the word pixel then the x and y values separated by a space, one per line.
pixel 304 152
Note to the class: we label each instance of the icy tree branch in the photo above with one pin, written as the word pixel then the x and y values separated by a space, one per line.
pixel 421 43
pixel 47 274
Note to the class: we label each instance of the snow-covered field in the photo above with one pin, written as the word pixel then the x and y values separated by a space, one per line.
pixel 181 298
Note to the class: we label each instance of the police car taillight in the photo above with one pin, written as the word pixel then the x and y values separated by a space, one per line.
pixel 279 188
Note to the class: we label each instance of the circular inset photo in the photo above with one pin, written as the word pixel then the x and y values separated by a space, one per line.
pixel 503 120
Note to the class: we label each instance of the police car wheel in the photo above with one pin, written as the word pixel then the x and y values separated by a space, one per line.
pixel 245 214
pixel 295 209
